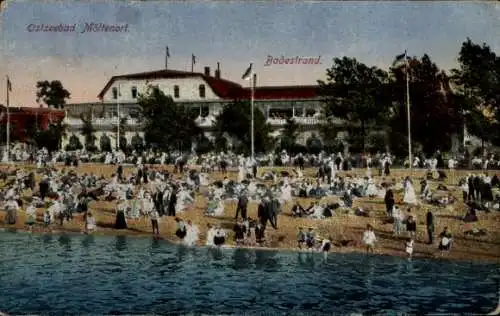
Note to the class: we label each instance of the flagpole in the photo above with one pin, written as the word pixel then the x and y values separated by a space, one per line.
pixel 8 120
pixel 252 139
pixel 118 125
pixel 408 110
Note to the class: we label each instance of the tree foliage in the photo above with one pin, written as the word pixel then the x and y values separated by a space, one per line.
pixel 289 135
pixel 234 122
pixel 356 94
pixel 88 132
pixel 74 143
pixel 168 126
pixel 52 94
pixel 477 81
pixel 434 110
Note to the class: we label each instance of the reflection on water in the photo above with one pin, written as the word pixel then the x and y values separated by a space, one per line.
pixel 121 243
pixel 80 275
pixel 88 241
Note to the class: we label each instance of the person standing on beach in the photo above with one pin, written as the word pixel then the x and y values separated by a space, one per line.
pixel 389 201
pixel 430 227
pixel 409 247
pixel 242 205
pixel 411 227
pixel 153 214
pixel 397 217
pixel 172 202
pixel 369 238
pixel 121 208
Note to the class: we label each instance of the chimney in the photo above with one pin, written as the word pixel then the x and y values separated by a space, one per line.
pixel 207 71
pixel 217 72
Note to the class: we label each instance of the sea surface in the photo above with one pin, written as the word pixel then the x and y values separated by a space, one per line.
pixel 97 275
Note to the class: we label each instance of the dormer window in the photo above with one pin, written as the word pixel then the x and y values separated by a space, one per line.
pixel 115 93
pixel 133 91
pixel 202 90
pixel 176 91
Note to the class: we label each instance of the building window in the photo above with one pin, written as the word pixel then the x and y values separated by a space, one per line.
pixel 176 91
pixel 115 93
pixel 134 92
pixel 202 90
pixel 205 110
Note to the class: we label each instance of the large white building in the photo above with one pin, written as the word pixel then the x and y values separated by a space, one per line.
pixel 205 93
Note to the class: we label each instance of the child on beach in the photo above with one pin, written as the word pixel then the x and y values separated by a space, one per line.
pixel 369 238
pixel 220 237
pixel 46 217
pixel 409 247
pixel 310 238
pixel 90 223
pixel 325 247
pixel 31 212
pixel 301 238
pixel 181 230
pixel 446 239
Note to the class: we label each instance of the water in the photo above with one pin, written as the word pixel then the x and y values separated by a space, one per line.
pixel 48 274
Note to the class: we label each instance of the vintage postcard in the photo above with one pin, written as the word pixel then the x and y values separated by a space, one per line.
pixel 249 158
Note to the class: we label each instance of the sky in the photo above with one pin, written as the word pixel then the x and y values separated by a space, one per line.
pixel 232 33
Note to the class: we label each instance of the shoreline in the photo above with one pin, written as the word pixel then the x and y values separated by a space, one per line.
pixel 339 228
pixel 333 250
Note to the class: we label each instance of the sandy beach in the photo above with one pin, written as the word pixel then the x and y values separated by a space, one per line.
pixel 340 227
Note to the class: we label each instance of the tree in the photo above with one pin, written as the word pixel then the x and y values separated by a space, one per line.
pixel 355 93
pixel 137 143
pixel 289 135
pixel 477 81
pixel 88 132
pixel 204 145
pixel 314 144
pixel 52 94
pixel 105 143
pixel 74 143
pixel 234 122
pixel 434 110
pixel 168 126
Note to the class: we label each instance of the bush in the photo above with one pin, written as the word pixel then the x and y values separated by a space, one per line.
pixel 336 147
pixel 314 145
pixel 204 146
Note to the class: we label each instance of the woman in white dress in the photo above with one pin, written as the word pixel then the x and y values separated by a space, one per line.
pixel 241 172
pixel 215 207
pixel 210 236
pixel 371 189
pixel 286 194
pixel 184 199
pixel 409 193
pixel 192 233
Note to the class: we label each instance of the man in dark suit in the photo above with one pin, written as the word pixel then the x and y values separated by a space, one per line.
pixel 242 205
pixel 172 202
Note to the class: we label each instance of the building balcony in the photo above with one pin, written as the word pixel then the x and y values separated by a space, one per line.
pixel 207 121
pixel 102 122
pixel 301 120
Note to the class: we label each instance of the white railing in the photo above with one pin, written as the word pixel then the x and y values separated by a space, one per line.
pixel 298 119
pixel 208 121
pixel 101 122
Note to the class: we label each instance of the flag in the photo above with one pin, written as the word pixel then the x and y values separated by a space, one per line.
pixel 248 73
pixel 9 85
pixel 168 53
pixel 400 60
pixel 193 58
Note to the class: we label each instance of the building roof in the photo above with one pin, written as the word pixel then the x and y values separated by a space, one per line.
pixel 221 87
pixel 225 89
pixel 34 110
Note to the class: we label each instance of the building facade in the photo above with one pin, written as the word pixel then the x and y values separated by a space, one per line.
pixel 24 119
pixel 203 93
